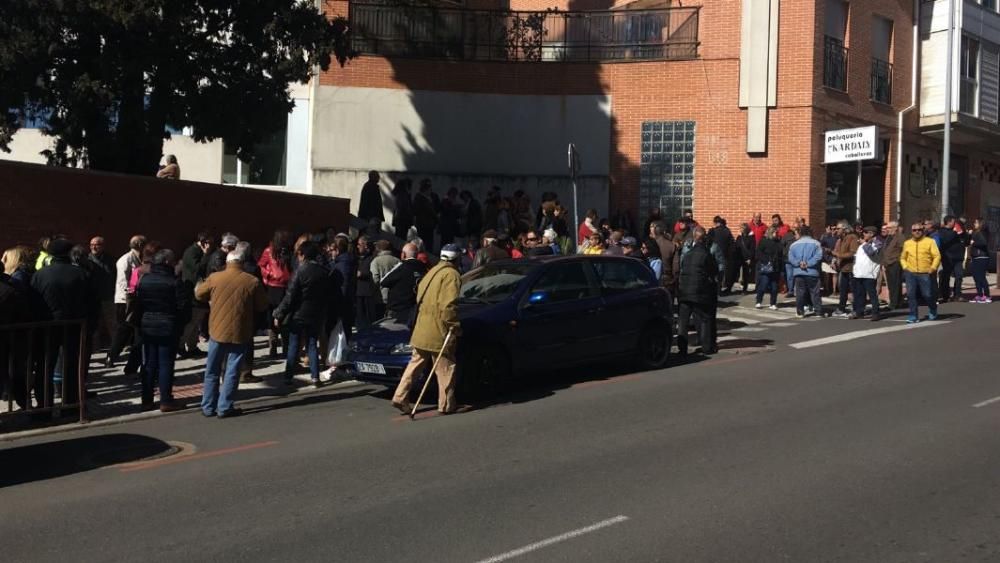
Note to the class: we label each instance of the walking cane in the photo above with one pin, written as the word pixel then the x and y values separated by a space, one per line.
pixel 433 373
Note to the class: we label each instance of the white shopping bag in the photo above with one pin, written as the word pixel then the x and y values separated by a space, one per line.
pixel 336 345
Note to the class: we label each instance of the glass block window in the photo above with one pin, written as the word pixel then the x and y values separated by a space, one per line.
pixel 666 170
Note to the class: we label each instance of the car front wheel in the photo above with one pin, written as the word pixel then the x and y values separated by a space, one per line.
pixel 483 374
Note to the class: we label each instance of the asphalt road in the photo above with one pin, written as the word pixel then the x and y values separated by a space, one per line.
pixel 864 450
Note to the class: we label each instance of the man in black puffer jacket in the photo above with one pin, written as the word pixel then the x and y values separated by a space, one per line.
pixel 66 295
pixel 164 308
pixel 698 294
pixel 305 309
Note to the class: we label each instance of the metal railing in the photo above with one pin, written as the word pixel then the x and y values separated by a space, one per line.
pixel 29 355
pixel 881 81
pixel 835 64
pixel 409 30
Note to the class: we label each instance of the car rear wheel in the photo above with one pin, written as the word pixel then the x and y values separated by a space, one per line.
pixel 654 346
pixel 483 374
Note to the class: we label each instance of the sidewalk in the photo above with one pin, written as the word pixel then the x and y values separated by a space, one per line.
pixel 119 395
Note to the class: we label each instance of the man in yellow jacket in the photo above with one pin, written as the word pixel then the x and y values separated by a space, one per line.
pixel 437 314
pixel 920 260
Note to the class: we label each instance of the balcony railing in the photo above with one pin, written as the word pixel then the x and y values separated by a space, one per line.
pixel 881 81
pixel 408 30
pixel 835 64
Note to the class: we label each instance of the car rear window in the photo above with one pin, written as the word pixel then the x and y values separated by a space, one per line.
pixel 619 276
pixel 493 283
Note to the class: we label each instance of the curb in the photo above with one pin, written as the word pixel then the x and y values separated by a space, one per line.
pixel 139 416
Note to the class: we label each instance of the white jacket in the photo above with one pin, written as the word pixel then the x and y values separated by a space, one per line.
pixel 124 267
pixel 864 267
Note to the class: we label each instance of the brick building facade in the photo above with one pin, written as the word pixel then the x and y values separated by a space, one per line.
pixel 702 94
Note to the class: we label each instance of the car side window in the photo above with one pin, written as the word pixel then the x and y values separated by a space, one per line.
pixel 564 282
pixel 620 276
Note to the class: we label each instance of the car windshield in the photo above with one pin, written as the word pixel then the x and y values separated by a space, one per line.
pixel 493 283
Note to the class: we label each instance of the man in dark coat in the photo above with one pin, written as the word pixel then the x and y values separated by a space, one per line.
pixel 13 309
pixel 697 294
pixel 66 295
pixel 194 264
pixel 370 206
pixel 304 309
pixel 402 282
pixel 164 307
pixel 425 214
pixel 102 277
pixel 402 217
pixel 490 251
pixel 343 270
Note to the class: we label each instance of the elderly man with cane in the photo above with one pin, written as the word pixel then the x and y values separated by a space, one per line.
pixel 435 333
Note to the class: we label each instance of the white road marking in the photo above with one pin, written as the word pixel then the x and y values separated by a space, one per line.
pixel 779 325
pixel 768 314
pixel 743 320
pixel 986 402
pixel 863 333
pixel 555 539
pixel 749 329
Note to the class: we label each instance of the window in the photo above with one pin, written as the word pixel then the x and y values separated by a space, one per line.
pixel 493 283
pixel 989 4
pixel 666 170
pixel 564 282
pixel 620 276
pixel 969 68
pixel 881 76
pixel 266 169
pixel 834 46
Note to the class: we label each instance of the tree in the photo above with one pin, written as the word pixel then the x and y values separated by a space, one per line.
pixel 109 76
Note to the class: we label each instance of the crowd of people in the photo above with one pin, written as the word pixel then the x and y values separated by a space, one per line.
pixel 305 290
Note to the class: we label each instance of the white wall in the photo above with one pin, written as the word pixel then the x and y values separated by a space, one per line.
pixel 199 162
pixel 470 141
pixel 26 146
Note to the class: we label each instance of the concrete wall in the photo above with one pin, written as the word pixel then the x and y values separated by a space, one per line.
pixel 38 200
pixel 200 162
pixel 27 146
pixel 466 140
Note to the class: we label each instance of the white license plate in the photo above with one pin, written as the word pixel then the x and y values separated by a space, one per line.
pixel 364 367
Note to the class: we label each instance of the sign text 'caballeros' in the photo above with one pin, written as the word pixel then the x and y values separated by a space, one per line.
pixel 848 145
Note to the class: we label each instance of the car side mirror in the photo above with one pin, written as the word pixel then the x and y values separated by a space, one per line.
pixel 537 298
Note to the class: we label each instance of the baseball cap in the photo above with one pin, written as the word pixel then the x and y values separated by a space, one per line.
pixel 629 241
pixel 450 252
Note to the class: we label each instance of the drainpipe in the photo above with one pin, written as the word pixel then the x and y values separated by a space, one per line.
pixel 907 109
pixel 949 89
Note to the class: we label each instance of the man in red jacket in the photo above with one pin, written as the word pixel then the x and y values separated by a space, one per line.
pixel 757 227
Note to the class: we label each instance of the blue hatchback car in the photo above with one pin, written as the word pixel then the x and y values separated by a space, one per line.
pixel 534 316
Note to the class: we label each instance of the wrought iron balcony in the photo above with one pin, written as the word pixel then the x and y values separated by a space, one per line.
pixel 392 29
pixel 881 81
pixel 835 64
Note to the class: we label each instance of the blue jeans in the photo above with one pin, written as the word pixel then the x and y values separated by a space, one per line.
pixel 767 283
pixel 212 401
pixel 790 278
pixel 312 352
pixel 917 285
pixel 158 368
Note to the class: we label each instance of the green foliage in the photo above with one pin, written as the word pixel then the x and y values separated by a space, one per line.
pixel 115 73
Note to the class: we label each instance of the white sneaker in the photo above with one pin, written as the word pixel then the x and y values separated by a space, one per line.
pixel 773 307
pixel 759 306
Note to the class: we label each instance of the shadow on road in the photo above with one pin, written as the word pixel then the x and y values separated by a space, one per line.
pixel 308 400
pixel 51 460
